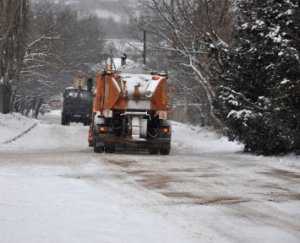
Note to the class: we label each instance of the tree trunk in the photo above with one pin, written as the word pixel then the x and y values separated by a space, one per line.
pixel 13 21
pixel 5 98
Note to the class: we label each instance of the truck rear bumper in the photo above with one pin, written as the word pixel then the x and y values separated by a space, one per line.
pixel 78 117
pixel 102 140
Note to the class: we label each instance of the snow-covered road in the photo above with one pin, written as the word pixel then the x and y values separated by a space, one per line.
pixel 54 189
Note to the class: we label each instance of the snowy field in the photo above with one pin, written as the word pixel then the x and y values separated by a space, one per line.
pixel 54 189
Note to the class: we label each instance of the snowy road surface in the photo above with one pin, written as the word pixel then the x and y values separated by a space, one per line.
pixel 54 189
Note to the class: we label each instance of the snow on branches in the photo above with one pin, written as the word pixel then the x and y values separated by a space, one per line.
pixel 259 100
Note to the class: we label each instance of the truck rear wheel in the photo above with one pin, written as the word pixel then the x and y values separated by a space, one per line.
pixel 165 150
pixel 110 148
pixel 65 121
pixel 98 149
pixel 86 123
pixel 153 151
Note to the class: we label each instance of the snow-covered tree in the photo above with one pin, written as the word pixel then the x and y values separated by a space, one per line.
pixel 259 99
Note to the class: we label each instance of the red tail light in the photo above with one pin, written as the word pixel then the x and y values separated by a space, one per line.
pixel 166 130
pixel 103 129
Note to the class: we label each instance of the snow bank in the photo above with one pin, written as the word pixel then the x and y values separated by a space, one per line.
pixel 11 125
pixel 53 137
pixel 200 140
pixel 186 138
pixel 48 135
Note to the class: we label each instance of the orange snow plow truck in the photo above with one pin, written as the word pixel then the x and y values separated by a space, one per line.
pixel 130 110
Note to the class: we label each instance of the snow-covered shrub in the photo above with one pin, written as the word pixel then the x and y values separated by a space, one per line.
pixel 260 97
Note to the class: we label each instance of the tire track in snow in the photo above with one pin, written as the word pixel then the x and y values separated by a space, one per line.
pixel 22 134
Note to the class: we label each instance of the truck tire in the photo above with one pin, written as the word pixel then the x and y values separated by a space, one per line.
pixel 110 148
pixel 165 150
pixel 67 121
pixel 98 149
pixel 64 121
pixel 153 151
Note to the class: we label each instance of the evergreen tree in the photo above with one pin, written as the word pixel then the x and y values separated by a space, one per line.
pixel 259 99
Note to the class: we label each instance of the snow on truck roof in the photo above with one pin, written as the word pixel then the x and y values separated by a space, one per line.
pixel 145 81
pixel 73 88
pixel 143 77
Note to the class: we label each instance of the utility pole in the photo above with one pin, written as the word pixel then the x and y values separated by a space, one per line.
pixel 145 47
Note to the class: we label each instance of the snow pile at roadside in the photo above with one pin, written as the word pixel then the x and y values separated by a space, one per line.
pixel 49 134
pixel 11 125
pixel 201 140
pixel 54 137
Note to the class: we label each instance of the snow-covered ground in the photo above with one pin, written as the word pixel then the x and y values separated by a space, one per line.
pixel 12 125
pixel 197 139
pixel 43 137
pixel 54 189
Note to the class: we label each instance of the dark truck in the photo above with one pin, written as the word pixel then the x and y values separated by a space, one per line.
pixel 77 106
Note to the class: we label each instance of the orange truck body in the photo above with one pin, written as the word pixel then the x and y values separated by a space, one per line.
pixel 112 93
pixel 130 108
